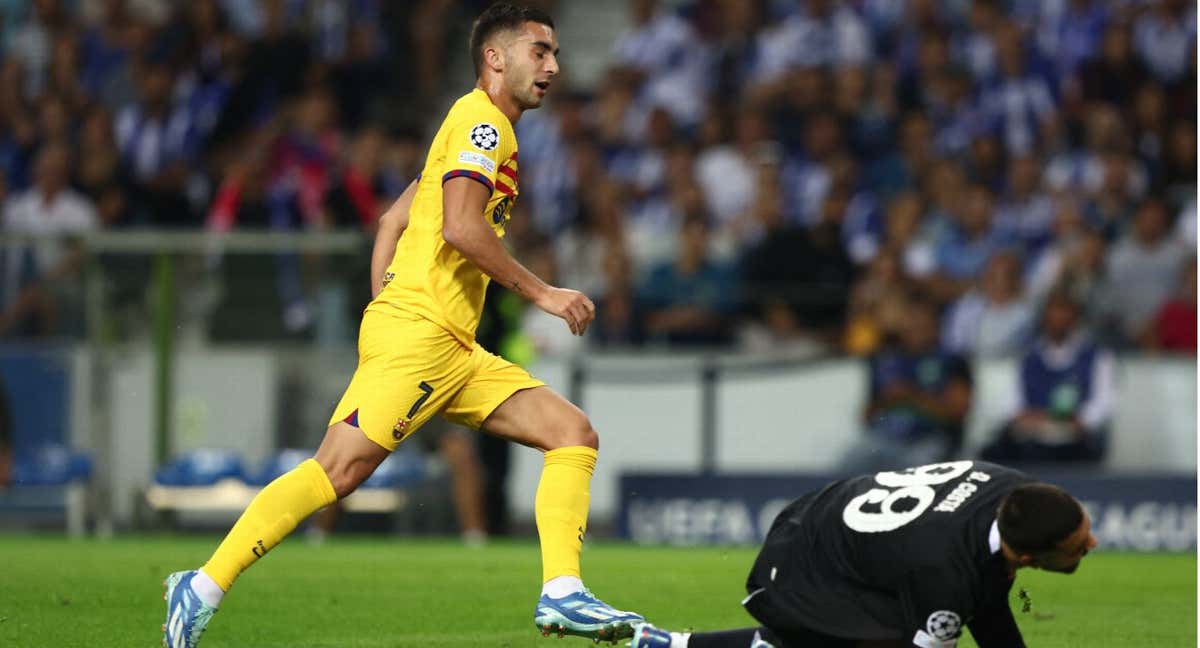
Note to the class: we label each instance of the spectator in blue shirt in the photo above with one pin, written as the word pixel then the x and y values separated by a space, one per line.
pixel 995 318
pixel 967 244
pixel 919 397
pixel 673 62
pixel 1019 103
pixel 957 118
pixel 1066 393
pixel 106 49
pixel 901 170
pixel 1026 212
pixel 690 300
pixel 158 141
pixel 1166 39
pixel 1074 35
pixel 808 178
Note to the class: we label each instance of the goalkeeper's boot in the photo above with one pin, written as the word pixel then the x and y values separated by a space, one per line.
pixel 583 615
pixel 648 636
pixel 187 615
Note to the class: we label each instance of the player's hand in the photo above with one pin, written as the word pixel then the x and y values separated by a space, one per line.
pixel 1031 419
pixel 571 305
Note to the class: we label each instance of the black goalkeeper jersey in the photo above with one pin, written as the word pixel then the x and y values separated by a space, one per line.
pixel 912 554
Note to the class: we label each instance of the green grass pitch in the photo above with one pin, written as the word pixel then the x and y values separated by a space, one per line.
pixel 396 592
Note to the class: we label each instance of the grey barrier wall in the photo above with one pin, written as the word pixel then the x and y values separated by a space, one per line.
pixel 672 414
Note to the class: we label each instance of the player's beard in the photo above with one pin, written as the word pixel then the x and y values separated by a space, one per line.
pixel 529 99
pixel 526 95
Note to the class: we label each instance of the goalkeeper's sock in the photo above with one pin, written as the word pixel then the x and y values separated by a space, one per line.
pixel 207 589
pixel 561 509
pixel 272 514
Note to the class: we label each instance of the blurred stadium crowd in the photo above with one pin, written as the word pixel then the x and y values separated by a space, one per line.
pixel 748 173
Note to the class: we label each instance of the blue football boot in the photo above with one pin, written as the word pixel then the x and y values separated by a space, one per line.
pixel 187 615
pixel 583 615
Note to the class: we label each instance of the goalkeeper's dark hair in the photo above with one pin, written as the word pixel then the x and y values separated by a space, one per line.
pixel 1036 517
pixel 497 18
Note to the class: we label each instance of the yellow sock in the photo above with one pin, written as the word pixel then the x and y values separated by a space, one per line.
pixel 272 514
pixel 561 508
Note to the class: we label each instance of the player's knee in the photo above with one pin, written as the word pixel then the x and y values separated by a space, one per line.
pixel 578 431
pixel 346 475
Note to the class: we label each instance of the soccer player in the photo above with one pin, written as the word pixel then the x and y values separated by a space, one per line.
pixel 417 354
pixel 901 558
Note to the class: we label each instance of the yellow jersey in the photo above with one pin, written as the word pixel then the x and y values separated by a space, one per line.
pixel 427 277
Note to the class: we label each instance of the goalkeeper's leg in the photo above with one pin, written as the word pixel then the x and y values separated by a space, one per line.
pixel 648 636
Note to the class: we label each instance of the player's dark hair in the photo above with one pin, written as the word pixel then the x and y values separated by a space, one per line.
pixel 1037 517
pixel 497 18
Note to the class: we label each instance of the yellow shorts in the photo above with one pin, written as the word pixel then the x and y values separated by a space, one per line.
pixel 410 369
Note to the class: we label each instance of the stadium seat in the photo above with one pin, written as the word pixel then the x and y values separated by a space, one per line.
pixel 276 465
pixel 401 469
pixel 50 465
pixel 210 480
pixel 203 467
pixel 49 479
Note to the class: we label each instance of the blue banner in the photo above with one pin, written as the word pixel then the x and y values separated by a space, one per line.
pixel 1129 512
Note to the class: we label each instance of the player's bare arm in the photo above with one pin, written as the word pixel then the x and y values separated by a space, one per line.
pixel 391 226
pixel 463 227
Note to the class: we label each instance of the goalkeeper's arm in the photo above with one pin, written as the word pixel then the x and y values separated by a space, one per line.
pixel 995 627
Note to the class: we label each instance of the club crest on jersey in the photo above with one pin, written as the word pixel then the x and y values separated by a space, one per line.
pixel 398 431
pixel 485 137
